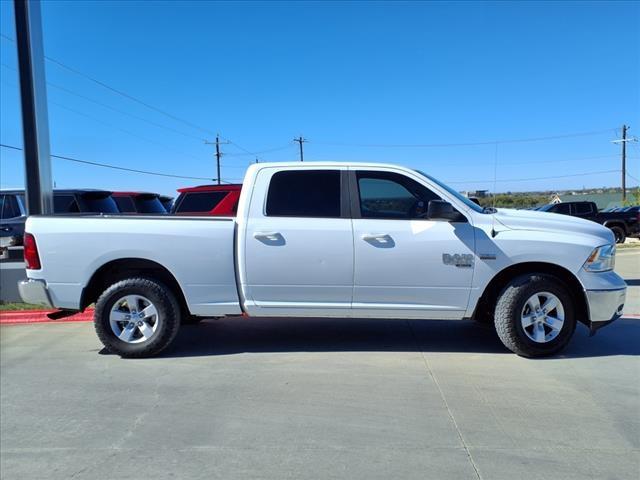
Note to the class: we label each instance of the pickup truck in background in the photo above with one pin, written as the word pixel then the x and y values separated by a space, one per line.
pixel 624 223
pixel 330 240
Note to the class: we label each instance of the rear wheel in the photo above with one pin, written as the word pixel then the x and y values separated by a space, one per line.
pixel 619 234
pixel 535 316
pixel 137 317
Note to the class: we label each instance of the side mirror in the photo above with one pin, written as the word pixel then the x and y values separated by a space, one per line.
pixel 441 210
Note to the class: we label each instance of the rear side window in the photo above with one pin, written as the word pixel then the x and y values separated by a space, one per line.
pixel 199 202
pixel 9 207
pixel 65 204
pixel 149 204
pixel 99 203
pixel 582 208
pixel 307 193
pixel 125 204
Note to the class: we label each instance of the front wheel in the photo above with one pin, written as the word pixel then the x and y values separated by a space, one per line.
pixel 619 234
pixel 535 316
pixel 137 317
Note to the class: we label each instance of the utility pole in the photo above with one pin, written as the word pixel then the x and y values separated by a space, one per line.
pixel 218 155
pixel 300 140
pixel 33 99
pixel 624 141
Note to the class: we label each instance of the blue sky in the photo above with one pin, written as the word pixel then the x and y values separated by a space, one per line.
pixel 346 76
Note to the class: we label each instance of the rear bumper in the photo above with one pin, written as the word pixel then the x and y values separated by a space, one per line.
pixel 605 306
pixel 34 291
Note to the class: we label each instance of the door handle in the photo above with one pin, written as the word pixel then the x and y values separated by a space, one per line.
pixel 267 235
pixel 6 229
pixel 378 237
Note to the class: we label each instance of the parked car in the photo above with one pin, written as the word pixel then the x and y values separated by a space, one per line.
pixel 330 240
pixel 214 200
pixel 623 223
pixel 138 202
pixel 167 202
pixel 13 208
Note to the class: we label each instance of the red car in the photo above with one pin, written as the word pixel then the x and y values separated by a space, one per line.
pixel 216 200
pixel 138 202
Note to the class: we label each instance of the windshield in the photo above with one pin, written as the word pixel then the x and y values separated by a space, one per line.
pixel 472 205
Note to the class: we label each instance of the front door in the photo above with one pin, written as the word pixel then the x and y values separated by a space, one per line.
pixel 299 244
pixel 406 265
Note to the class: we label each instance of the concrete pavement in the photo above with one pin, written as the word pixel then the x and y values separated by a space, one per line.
pixel 321 398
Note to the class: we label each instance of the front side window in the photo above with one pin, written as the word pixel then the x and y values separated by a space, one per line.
pixel 582 208
pixel 563 208
pixel 304 193
pixel 392 196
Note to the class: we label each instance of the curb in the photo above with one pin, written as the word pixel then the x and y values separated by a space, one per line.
pixel 40 316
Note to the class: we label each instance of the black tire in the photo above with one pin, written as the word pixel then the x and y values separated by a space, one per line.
pixel 618 233
pixel 509 309
pixel 168 317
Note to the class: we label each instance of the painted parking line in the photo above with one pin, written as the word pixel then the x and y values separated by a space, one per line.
pixel 40 316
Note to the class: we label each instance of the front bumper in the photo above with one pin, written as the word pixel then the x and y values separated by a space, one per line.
pixel 605 306
pixel 34 291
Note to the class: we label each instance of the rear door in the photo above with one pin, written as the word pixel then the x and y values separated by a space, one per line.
pixel 298 244
pixel 12 219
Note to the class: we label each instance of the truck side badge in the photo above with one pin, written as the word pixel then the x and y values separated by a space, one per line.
pixel 458 259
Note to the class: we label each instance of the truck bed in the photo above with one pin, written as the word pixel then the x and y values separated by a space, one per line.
pixel 197 251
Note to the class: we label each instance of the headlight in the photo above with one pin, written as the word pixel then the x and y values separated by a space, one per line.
pixel 602 259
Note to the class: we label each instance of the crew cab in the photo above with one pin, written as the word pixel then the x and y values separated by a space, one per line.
pixel 330 240
pixel 623 222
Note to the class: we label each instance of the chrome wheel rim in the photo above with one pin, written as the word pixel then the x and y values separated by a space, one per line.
pixel 542 317
pixel 134 319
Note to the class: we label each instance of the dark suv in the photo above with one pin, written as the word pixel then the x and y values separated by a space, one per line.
pixel 13 209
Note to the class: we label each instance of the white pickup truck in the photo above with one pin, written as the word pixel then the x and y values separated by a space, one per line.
pixel 329 240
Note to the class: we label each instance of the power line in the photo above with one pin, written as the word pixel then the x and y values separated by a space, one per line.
pixel 466 144
pixel 583 174
pixel 120 92
pixel 114 167
pixel 110 107
pixel 59 105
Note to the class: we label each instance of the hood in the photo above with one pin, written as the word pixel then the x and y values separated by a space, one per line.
pixel 552 222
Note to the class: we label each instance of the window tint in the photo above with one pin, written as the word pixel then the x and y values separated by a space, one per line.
pixel 563 208
pixel 392 196
pixel 200 202
pixel 582 208
pixel 9 207
pixel 149 204
pixel 65 204
pixel 125 204
pixel 304 193
pixel 99 203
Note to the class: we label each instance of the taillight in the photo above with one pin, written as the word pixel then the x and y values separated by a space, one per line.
pixel 31 257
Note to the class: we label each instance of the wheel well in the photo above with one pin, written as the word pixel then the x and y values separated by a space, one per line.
pixel 117 270
pixel 615 224
pixel 489 297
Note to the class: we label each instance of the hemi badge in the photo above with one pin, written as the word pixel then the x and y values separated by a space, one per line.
pixel 487 256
